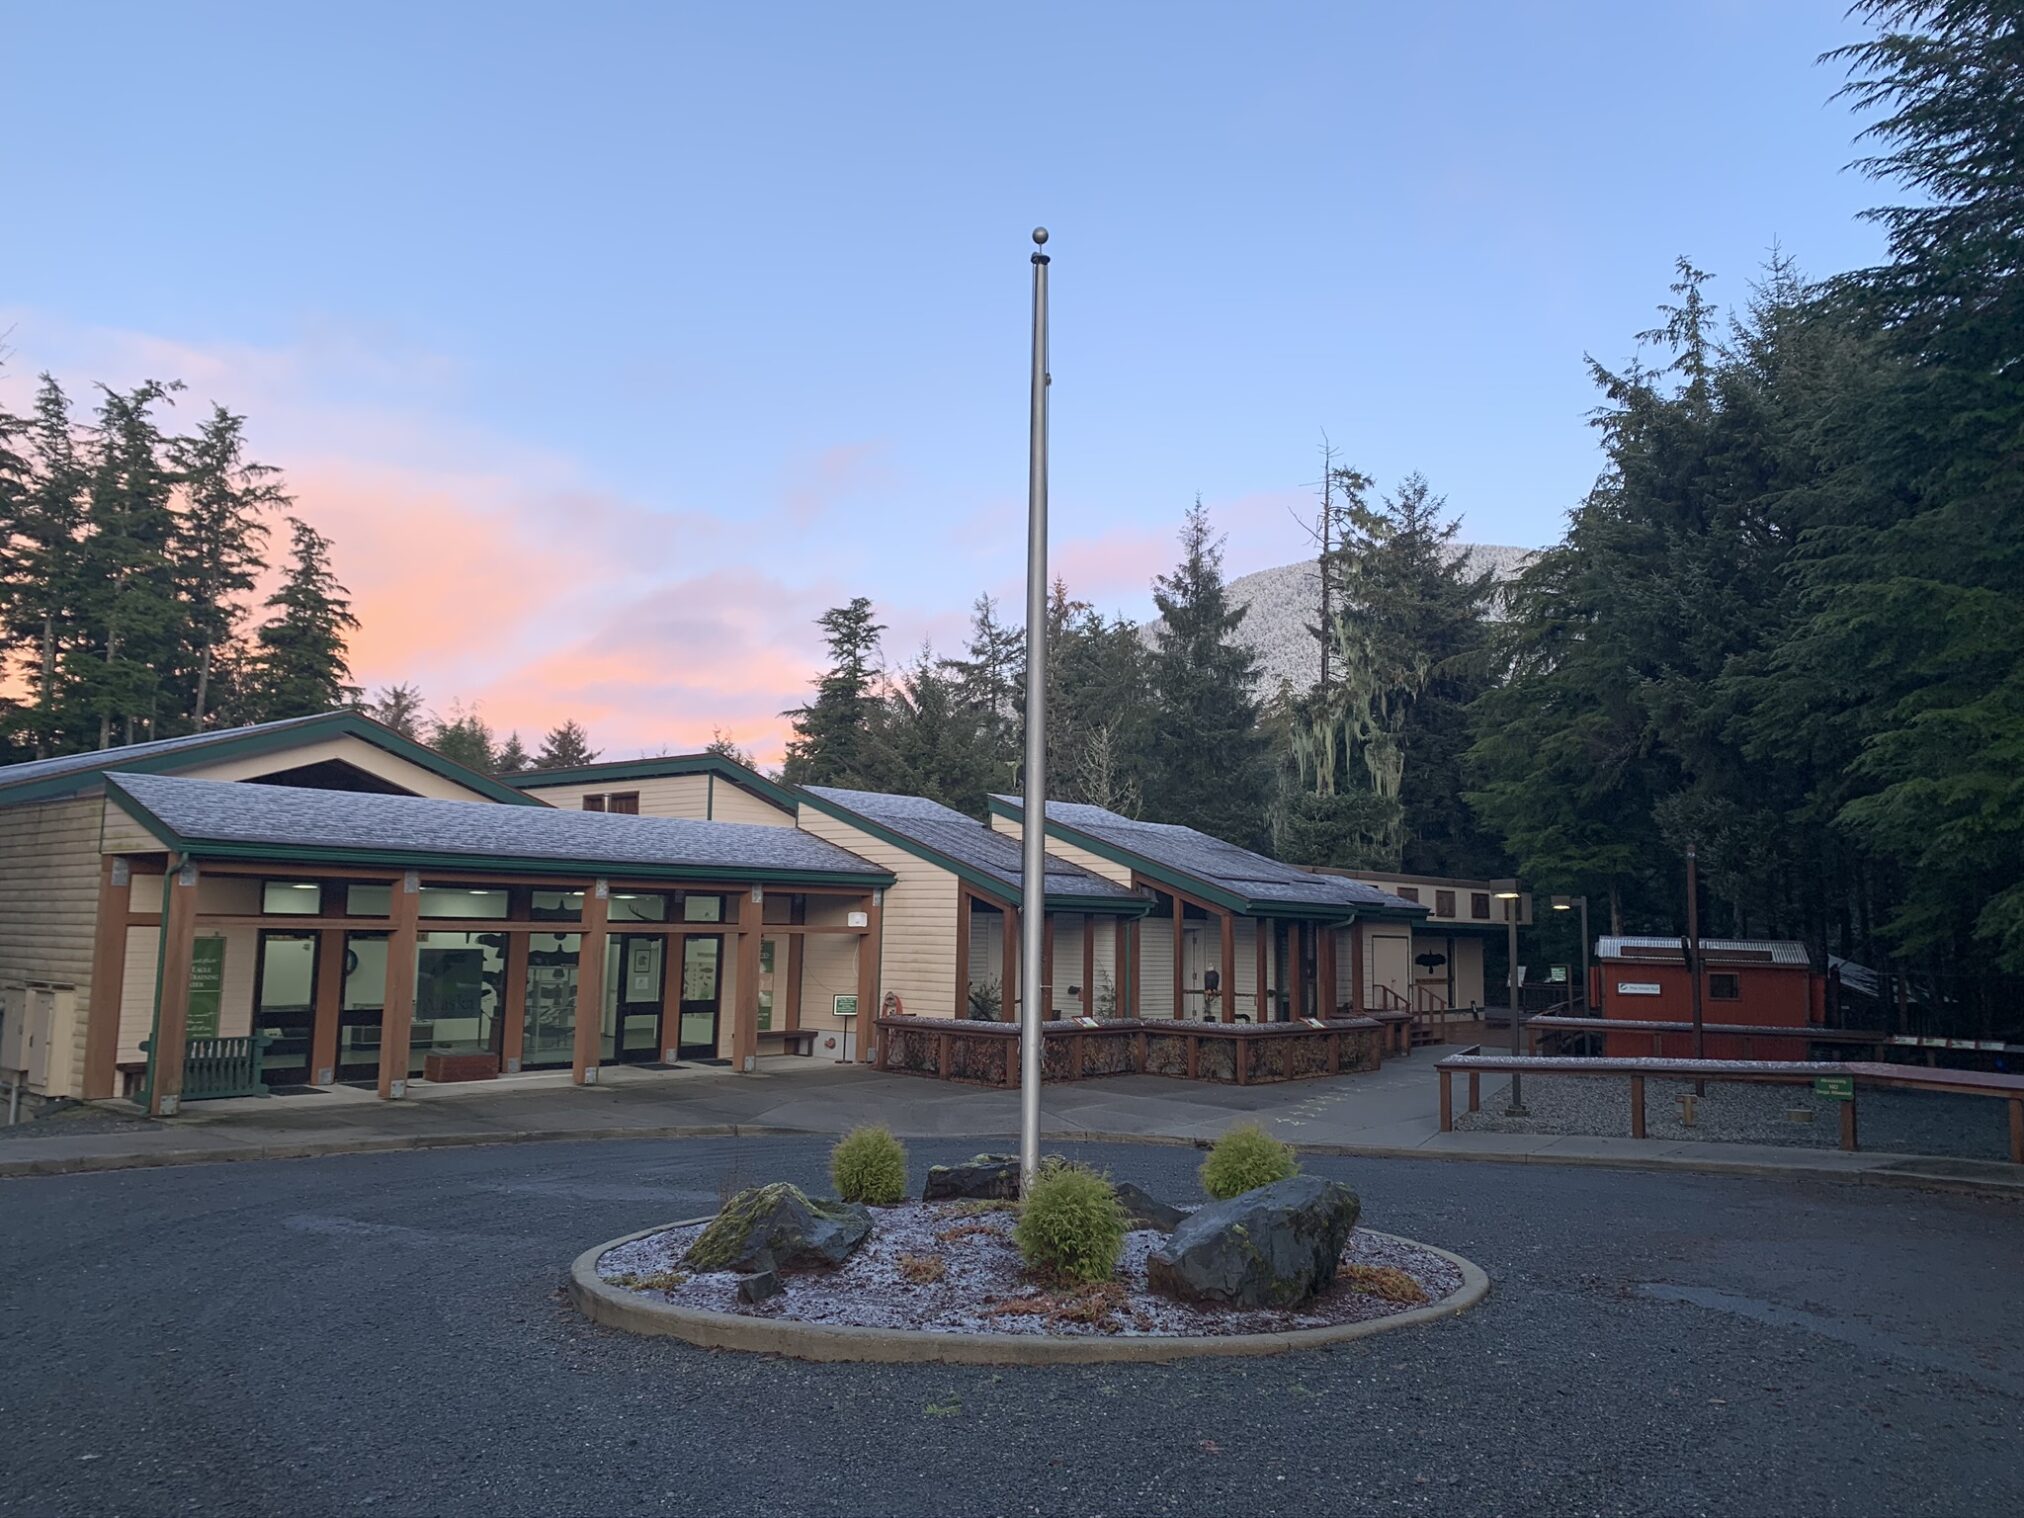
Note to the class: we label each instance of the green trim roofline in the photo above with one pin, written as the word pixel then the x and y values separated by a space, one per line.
pixel 1130 905
pixel 665 766
pixel 246 743
pixel 1341 913
pixel 485 864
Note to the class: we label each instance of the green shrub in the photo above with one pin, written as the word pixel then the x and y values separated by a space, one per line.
pixel 1070 1226
pixel 869 1165
pixel 1244 1159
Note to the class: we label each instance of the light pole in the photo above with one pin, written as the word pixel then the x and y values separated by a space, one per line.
pixel 1033 840
pixel 1510 897
pixel 1568 903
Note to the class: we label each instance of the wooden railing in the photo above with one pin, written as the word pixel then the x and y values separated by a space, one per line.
pixel 1554 1033
pixel 1863 1074
pixel 220 1067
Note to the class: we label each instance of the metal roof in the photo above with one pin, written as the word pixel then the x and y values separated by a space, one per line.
pixel 1252 879
pixel 965 842
pixel 233 817
pixel 1653 948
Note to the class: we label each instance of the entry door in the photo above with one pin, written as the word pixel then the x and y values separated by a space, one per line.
pixel 1193 962
pixel 284 1000
pixel 702 962
pixel 634 968
pixel 1391 965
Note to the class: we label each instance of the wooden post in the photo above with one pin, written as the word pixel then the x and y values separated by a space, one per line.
pixel 108 978
pixel 1475 1090
pixel 1120 928
pixel 1296 972
pixel 870 962
pixel 1180 997
pixel 1447 1101
pixel 398 1014
pixel 1356 972
pixel 1848 1123
pixel 589 1030
pixel 1088 965
pixel 673 954
pixel 962 1004
pixel 1637 1106
pixel 2016 1105
pixel 1227 970
pixel 790 1016
pixel 329 981
pixel 1046 963
pixel 172 993
pixel 1324 971
pixel 1263 955
pixel 1008 956
pixel 513 995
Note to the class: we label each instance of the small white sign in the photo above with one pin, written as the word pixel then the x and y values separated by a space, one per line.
pixel 857 920
pixel 1637 988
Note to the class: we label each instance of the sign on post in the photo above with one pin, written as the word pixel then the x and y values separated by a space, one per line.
pixel 1840 1088
pixel 207 987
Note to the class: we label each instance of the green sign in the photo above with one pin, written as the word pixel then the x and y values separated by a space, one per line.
pixel 1840 1088
pixel 846 1004
pixel 207 987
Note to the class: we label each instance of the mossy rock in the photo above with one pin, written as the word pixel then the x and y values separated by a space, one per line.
pixel 1276 1246
pixel 779 1227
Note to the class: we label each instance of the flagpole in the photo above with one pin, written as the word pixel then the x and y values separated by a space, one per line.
pixel 1033 841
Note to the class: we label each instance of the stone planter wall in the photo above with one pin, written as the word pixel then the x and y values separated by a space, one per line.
pixel 1243 1054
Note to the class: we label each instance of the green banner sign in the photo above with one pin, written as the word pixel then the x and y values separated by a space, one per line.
pixel 207 987
pixel 1840 1088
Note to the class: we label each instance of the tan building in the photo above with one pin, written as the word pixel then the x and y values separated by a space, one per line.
pixel 348 905
pixel 1437 967
pixel 1233 935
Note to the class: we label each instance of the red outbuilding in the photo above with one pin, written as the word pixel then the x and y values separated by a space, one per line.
pixel 1759 983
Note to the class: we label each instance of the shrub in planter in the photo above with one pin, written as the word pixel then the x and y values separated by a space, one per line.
pixel 869 1165
pixel 1244 1159
pixel 1070 1226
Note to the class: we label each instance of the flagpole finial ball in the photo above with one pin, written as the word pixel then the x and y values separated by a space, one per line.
pixel 1040 236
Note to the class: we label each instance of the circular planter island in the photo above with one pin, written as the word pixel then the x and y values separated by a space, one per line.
pixel 943 1281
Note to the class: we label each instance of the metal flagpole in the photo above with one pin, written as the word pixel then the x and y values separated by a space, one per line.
pixel 1033 850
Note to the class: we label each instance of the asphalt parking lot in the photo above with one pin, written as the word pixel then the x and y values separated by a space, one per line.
pixel 385 1334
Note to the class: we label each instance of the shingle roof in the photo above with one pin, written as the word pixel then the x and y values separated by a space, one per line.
pixel 1738 950
pixel 240 816
pixel 1255 878
pixel 967 841
pixel 117 758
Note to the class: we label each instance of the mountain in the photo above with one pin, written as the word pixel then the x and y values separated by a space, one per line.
pixel 1284 601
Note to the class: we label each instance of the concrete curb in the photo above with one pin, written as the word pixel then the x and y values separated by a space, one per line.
pixel 629 1312
pixel 1880 1174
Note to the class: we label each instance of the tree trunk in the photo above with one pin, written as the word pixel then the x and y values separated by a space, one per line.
pixel 203 688
pixel 48 701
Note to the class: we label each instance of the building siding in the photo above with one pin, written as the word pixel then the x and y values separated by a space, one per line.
pixel 918 960
pixel 353 751
pixel 1096 864
pixel 694 798
pixel 49 867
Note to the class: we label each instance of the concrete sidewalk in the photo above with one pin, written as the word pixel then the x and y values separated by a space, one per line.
pixel 1389 1112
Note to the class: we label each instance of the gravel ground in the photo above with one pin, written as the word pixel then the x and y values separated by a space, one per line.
pixel 1892 1122
pixel 69 1120
pixel 385 1334
pixel 983 1271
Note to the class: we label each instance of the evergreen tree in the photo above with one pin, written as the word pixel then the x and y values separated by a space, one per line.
pixel 464 738
pixel 300 663
pixel 399 707
pixel 725 746
pixel 831 743
pixel 991 684
pixel 1206 763
pixel 215 552
pixel 927 741
pixel 566 747
pixel 44 563
pixel 512 758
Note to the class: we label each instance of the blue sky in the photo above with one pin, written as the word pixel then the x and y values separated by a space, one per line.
pixel 613 342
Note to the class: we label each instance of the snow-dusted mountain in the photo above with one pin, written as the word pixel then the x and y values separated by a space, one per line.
pixel 1283 601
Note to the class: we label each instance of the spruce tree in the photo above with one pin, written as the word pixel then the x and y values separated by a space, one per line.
pixel 300 662
pixel 725 746
pixel 831 743
pixel 399 707
pixel 44 558
pixel 512 757
pixel 1205 768
pixel 991 683
pixel 216 549
pixel 566 746
pixel 464 738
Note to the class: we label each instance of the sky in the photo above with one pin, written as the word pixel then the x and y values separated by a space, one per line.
pixel 612 343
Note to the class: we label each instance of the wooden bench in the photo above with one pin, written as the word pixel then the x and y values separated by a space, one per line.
pixel 797 1040
pixel 1474 1064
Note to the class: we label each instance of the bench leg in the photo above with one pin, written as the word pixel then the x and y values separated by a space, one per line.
pixel 1475 1092
pixel 1848 1125
pixel 1447 1101
pixel 1637 1106
pixel 2017 1130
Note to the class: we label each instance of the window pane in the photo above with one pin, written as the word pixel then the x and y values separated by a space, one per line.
pixel 558 906
pixel 462 901
pixel 369 900
pixel 460 983
pixel 702 908
pixel 550 1025
pixel 1444 903
pixel 293 898
pixel 358 1022
pixel 625 803
pixel 639 906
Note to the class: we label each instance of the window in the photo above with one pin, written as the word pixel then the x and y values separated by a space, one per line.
pixel 625 803
pixel 462 901
pixel 1725 985
pixel 638 906
pixel 1409 893
pixel 368 901
pixel 593 803
pixel 556 906
pixel 291 898
pixel 1479 905
pixel 1444 903
pixel 702 908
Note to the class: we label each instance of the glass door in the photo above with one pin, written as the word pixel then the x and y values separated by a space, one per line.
pixel 284 1004
pixel 701 961
pixel 632 997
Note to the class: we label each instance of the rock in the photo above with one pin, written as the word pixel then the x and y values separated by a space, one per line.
pixel 1272 1247
pixel 987 1177
pixel 779 1227
pixel 1143 1210
pixel 758 1286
